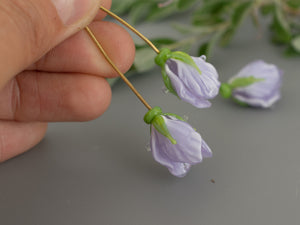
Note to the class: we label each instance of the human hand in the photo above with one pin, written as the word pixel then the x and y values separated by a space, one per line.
pixel 47 73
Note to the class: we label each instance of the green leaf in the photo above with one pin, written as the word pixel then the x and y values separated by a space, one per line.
pixel 294 4
pixel 185 4
pixel 138 12
pixel 144 59
pixel 207 20
pixel 213 7
pixel 161 42
pixel 212 12
pixel 157 13
pixel 120 6
pixel 192 29
pixel 204 49
pixel 280 27
pixel 240 13
pixel 267 9
pixel 237 17
pixel 227 36
pixel 244 81
pixel 208 47
pixel 296 43
pixel 291 52
pixel 158 42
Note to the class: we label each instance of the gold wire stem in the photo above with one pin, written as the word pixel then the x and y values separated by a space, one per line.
pixel 131 28
pixel 129 84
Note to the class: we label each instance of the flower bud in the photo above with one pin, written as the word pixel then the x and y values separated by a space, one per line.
pixel 192 79
pixel 257 84
pixel 188 149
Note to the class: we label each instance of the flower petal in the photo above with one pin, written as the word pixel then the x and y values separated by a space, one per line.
pixel 185 94
pixel 191 86
pixel 189 142
pixel 263 93
pixel 206 151
pixel 180 169
pixel 176 168
pixel 264 102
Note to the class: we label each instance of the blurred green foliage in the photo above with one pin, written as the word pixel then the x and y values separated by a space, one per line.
pixel 213 23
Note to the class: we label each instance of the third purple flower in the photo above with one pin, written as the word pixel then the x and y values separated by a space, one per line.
pixel 257 84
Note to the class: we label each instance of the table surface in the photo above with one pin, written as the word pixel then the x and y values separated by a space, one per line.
pixel 100 172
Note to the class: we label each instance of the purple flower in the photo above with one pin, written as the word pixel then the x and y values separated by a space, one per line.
pixel 192 79
pixel 174 143
pixel 191 86
pixel 264 90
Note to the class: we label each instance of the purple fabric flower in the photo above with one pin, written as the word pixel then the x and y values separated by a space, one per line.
pixel 190 148
pixel 191 86
pixel 263 93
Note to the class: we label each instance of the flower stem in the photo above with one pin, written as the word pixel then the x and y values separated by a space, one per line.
pixel 131 28
pixel 129 84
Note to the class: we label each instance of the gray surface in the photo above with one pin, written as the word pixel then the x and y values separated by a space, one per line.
pixel 100 172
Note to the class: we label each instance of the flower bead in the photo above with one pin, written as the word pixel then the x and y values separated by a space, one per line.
pixel 192 79
pixel 185 147
pixel 257 84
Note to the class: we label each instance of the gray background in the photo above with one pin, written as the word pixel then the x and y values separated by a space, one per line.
pixel 100 172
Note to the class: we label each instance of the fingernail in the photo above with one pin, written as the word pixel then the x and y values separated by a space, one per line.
pixel 71 11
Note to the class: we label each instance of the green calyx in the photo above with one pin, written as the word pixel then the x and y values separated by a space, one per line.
pixel 185 58
pixel 174 115
pixel 159 123
pixel 166 54
pixel 226 88
pixel 151 114
pixel 243 104
pixel 162 57
pixel 154 117
pixel 167 82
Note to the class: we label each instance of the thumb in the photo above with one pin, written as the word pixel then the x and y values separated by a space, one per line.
pixel 30 28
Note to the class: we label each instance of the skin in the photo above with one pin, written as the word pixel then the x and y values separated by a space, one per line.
pixel 58 77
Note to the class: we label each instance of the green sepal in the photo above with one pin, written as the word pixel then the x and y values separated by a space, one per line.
pixel 244 81
pixel 225 90
pixel 162 57
pixel 154 117
pixel 243 104
pixel 159 123
pixel 174 115
pixel 185 58
pixel 151 114
pixel 167 82
pixel 166 54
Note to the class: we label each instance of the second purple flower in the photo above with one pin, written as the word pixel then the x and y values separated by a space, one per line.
pixel 192 79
